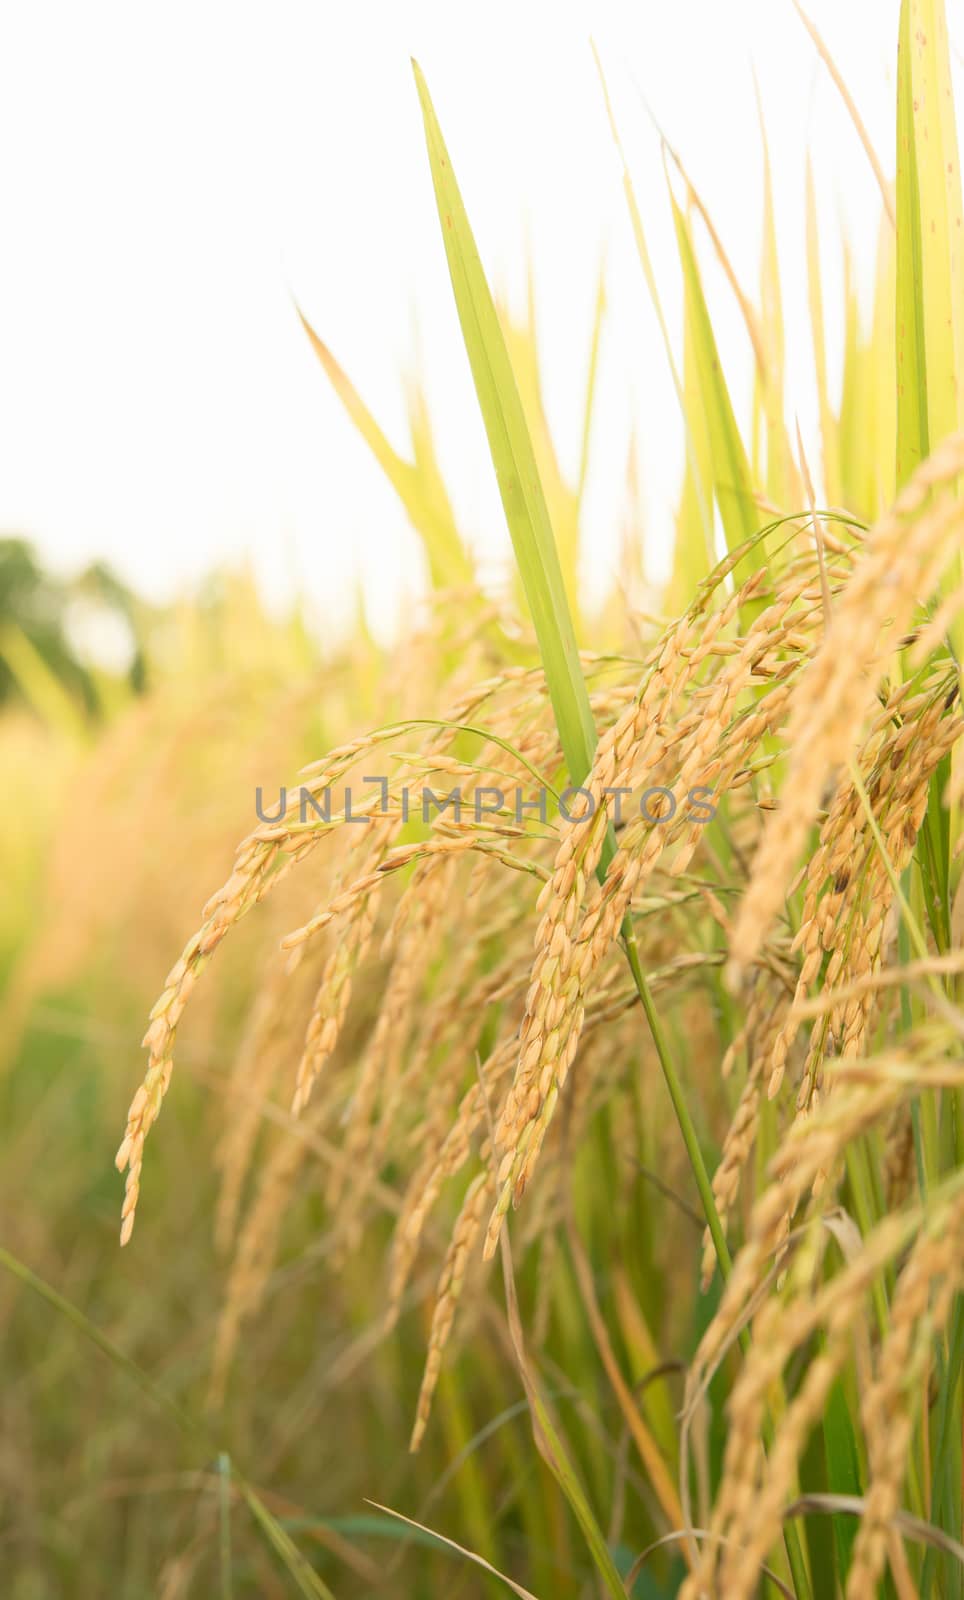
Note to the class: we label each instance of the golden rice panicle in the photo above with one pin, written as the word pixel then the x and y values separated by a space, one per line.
pixel 848 886
pixel 707 752
pixel 260 1230
pixel 924 1298
pixel 755 1488
pixel 441 1163
pixel 412 1097
pixel 269 1039
pixel 902 561
pixel 255 1253
pixel 333 997
pixel 262 860
pixel 460 1000
pixel 580 920
pixel 898 1167
pixel 838 842
pixel 425 901
pixel 451 1284
pixel 812 1145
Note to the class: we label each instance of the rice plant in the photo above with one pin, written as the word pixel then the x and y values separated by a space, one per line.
pixel 626 949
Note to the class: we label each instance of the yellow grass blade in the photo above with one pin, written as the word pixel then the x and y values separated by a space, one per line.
pixel 587 411
pixel 754 326
pixel 460 1549
pixel 882 398
pixel 765 332
pixel 731 469
pixel 40 686
pixel 418 484
pixel 562 499
pixel 782 487
pixel 690 564
pixel 702 485
pixel 829 431
pixel 854 114
pixel 853 417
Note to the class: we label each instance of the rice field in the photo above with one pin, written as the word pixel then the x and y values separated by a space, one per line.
pixel 560 1187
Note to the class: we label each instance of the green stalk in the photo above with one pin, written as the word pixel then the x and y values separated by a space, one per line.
pixel 224 1525
pixel 700 1174
pixel 950 1376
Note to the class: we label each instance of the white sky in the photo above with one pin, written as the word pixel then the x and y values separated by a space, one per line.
pixel 172 171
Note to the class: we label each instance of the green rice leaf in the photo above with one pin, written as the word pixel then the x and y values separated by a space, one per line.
pixel 843 1470
pixel 782 486
pixel 731 470
pixel 562 498
pixel 855 439
pixel 912 420
pixel 548 1442
pixel 930 294
pixel 881 396
pixel 690 563
pixel 930 304
pixel 829 432
pixel 694 554
pixel 512 454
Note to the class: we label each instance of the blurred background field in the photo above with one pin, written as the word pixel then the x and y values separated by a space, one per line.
pixel 130 789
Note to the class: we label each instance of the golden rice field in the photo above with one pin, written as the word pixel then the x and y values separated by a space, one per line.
pixel 559 1193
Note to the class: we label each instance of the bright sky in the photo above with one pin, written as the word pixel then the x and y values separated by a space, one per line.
pixel 173 173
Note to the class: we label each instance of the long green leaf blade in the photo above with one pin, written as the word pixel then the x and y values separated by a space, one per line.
pixel 525 506
pixel 930 314
pixel 912 425
pixel 732 481
pixel 930 232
